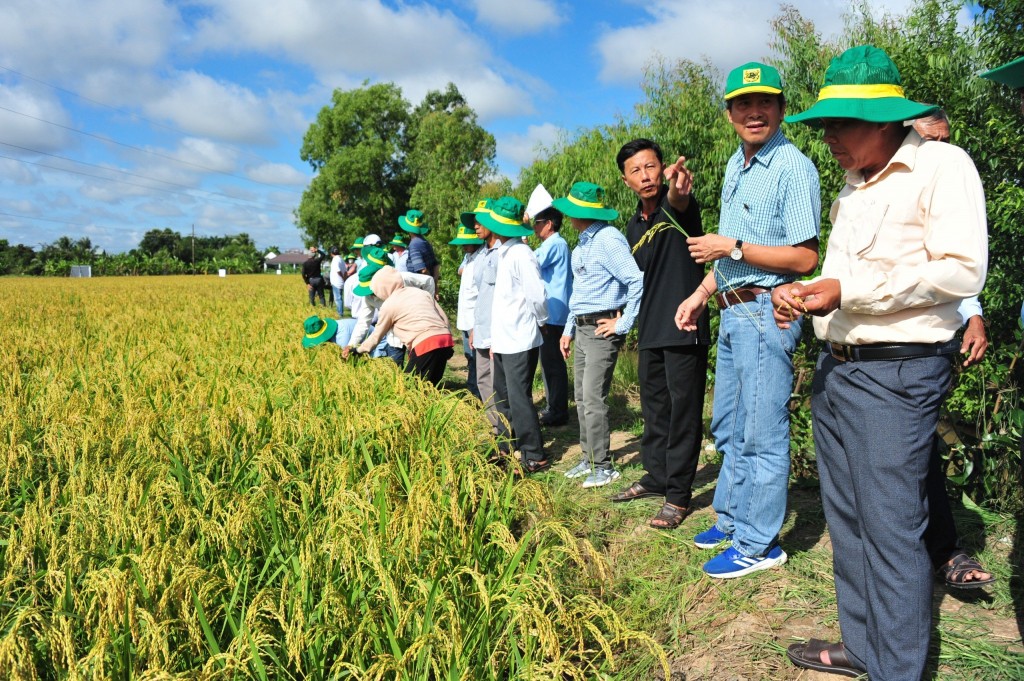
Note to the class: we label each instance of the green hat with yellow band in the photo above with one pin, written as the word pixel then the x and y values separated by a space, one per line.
pixel 413 222
pixel 398 242
pixel 375 258
pixel 863 83
pixel 1010 73
pixel 505 218
pixel 469 218
pixel 752 77
pixel 466 237
pixel 585 202
pixel 318 331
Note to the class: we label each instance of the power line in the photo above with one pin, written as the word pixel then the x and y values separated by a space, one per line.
pixel 110 140
pixel 188 193
pixel 129 114
pixel 61 222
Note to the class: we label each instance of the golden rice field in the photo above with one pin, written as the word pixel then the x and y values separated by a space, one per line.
pixel 188 493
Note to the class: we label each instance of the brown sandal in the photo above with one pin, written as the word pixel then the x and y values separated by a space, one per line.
pixel 669 517
pixel 959 566
pixel 634 492
pixel 808 656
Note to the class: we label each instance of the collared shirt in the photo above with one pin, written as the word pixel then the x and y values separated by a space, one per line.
pixel 775 200
pixel 465 318
pixel 605 277
pixel 670 274
pixel 401 261
pixel 420 255
pixel 906 246
pixel 520 304
pixel 484 277
pixel 554 261
pixel 969 307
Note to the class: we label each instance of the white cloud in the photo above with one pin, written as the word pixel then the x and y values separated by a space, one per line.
pixel 519 17
pixel 523 149
pixel 27 119
pixel 204 106
pixel 671 33
pixel 277 173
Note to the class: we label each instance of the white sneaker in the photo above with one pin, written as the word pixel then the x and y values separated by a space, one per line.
pixel 579 470
pixel 601 477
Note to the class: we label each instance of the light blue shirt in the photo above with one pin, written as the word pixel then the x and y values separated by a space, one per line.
pixel 773 201
pixel 554 260
pixel 605 277
pixel 485 275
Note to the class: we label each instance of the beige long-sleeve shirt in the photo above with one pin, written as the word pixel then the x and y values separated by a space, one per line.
pixel 411 312
pixel 906 246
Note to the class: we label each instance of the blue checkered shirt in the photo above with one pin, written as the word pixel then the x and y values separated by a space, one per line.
pixel 774 201
pixel 605 277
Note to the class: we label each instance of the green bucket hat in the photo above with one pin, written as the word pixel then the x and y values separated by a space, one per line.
pixel 398 242
pixel 505 218
pixel 413 222
pixel 375 258
pixel 466 237
pixel 468 219
pixel 585 202
pixel 1010 73
pixel 318 331
pixel 863 83
pixel 752 77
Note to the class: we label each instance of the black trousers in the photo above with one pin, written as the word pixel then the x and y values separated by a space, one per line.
pixel 556 377
pixel 940 537
pixel 317 289
pixel 430 365
pixel 672 384
pixel 513 395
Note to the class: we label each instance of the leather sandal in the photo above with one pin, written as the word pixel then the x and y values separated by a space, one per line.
pixel 669 517
pixel 633 492
pixel 808 656
pixel 956 570
pixel 532 466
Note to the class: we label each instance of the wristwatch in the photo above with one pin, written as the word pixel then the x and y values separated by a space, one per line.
pixel 737 251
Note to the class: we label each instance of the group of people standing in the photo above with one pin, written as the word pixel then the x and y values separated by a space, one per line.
pixel 908 246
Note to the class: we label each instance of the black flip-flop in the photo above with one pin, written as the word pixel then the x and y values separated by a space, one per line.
pixel 808 656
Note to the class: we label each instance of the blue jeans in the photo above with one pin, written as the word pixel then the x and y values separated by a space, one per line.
pixel 753 382
pixel 339 300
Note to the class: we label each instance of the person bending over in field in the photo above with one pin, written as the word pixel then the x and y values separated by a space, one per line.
pixel 418 321
pixel 317 331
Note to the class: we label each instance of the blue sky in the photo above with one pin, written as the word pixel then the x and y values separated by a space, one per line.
pixel 119 117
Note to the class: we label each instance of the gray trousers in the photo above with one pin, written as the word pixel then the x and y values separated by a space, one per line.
pixel 593 369
pixel 874 423
pixel 485 383
pixel 513 393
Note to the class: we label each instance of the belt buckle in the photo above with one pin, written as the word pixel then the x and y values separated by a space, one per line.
pixel 843 353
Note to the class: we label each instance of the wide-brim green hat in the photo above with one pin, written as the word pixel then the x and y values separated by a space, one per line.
pixel 466 236
pixel 375 259
pixel 469 218
pixel 752 77
pixel 505 218
pixel 318 331
pixel 1010 73
pixel 863 83
pixel 585 202
pixel 398 242
pixel 413 222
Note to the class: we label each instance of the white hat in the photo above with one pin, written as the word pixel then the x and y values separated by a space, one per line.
pixel 539 200
pixel 371 240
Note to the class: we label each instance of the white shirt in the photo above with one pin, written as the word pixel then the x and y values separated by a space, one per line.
pixel 465 319
pixel 520 302
pixel 969 307
pixel 337 265
pixel 401 261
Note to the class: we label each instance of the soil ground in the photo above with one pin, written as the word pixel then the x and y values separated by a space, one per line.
pixel 739 629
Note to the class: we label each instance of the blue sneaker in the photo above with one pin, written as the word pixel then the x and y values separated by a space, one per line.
pixel 731 563
pixel 709 539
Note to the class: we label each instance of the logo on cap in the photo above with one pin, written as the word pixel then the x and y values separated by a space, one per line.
pixel 751 76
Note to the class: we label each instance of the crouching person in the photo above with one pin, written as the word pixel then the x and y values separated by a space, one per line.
pixel 418 321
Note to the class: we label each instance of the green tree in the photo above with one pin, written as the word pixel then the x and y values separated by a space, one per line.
pixel 357 148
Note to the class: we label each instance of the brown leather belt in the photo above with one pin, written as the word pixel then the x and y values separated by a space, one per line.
pixel 594 317
pixel 738 295
pixel 878 351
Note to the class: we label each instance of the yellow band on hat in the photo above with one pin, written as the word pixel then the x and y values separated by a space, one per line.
pixel 481 206
pixel 504 220
pixel 585 204
pixel 415 223
pixel 375 261
pixel 319 333
pixel 860 92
